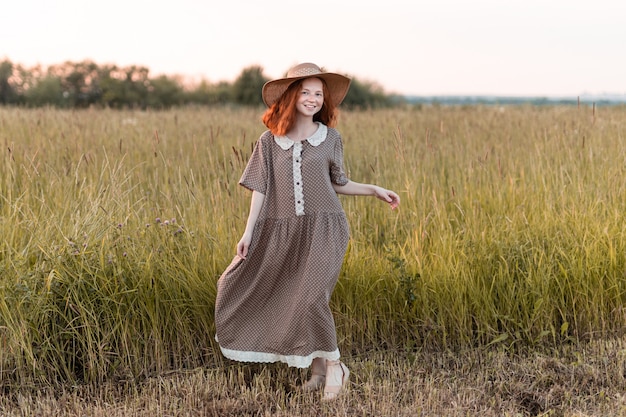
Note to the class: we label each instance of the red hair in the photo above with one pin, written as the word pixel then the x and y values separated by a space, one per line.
pixel 281 116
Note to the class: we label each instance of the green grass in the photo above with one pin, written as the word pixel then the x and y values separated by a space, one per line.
pixel 116 226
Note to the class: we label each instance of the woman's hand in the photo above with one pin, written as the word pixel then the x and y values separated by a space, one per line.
pixel 388 196
pixel 243 245
pixel 255 208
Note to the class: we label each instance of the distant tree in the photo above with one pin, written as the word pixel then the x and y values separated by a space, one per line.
pixel 366 95
pixel 7 93
pixel 222 92
pixel 21 80
pixel 247 87
pixel 198 94
pixel 164 92
pixel 124 87
pixel 111 81
pixel 79 81
pixel 210 94
pixel 137 82
pixel 47 91
pixel 83 84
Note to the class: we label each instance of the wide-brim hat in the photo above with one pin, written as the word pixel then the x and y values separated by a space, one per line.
pixel 338 84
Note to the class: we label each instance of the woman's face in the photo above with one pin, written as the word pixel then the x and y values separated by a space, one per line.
pixel 311 97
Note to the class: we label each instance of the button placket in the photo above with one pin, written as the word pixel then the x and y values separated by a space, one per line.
pixel 297 179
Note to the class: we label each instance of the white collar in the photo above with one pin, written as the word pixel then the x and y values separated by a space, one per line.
pixel 315 139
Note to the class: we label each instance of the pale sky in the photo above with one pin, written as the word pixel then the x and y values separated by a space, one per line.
pixel 434 47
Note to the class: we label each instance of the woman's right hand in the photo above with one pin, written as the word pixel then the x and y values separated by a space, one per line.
pixel 243 245
pixel 255 209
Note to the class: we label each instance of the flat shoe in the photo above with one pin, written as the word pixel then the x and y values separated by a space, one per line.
pixel 334 386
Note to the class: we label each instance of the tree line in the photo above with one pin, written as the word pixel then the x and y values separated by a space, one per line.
pixel 88 84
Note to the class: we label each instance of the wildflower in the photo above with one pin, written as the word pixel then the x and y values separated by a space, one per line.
pixel 158 220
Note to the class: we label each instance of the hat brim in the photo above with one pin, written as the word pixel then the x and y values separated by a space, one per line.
pixel 338 86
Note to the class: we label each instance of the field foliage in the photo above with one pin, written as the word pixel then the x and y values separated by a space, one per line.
pixel 116 225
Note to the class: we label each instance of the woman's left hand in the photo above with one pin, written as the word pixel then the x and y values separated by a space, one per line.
pixel 388 196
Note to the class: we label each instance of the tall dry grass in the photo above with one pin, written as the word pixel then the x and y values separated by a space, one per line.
pixel 116 226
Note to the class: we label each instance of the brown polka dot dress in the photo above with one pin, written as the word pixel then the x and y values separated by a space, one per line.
pixel 274 305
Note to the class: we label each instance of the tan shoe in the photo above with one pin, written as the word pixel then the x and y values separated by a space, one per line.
pixel 337 376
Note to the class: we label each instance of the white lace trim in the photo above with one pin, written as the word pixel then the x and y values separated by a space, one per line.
pixel 291 360
pixel 285 143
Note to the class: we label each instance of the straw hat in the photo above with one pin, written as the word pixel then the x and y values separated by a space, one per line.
pixel 337 84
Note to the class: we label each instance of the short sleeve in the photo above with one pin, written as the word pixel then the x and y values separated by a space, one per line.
pixel 255 175
pixel 337 174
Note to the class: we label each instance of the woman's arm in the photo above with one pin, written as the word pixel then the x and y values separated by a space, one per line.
pixel 356 188
pixel 255 209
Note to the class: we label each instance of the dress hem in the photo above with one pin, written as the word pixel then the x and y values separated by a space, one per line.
pixel 291 360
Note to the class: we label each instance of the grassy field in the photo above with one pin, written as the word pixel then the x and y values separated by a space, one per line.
pixel 583 381
pixel 497 288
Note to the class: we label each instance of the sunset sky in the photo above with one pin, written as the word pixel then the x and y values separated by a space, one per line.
pixel 435 47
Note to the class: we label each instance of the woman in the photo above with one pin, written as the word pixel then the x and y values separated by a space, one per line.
pixel 273 300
